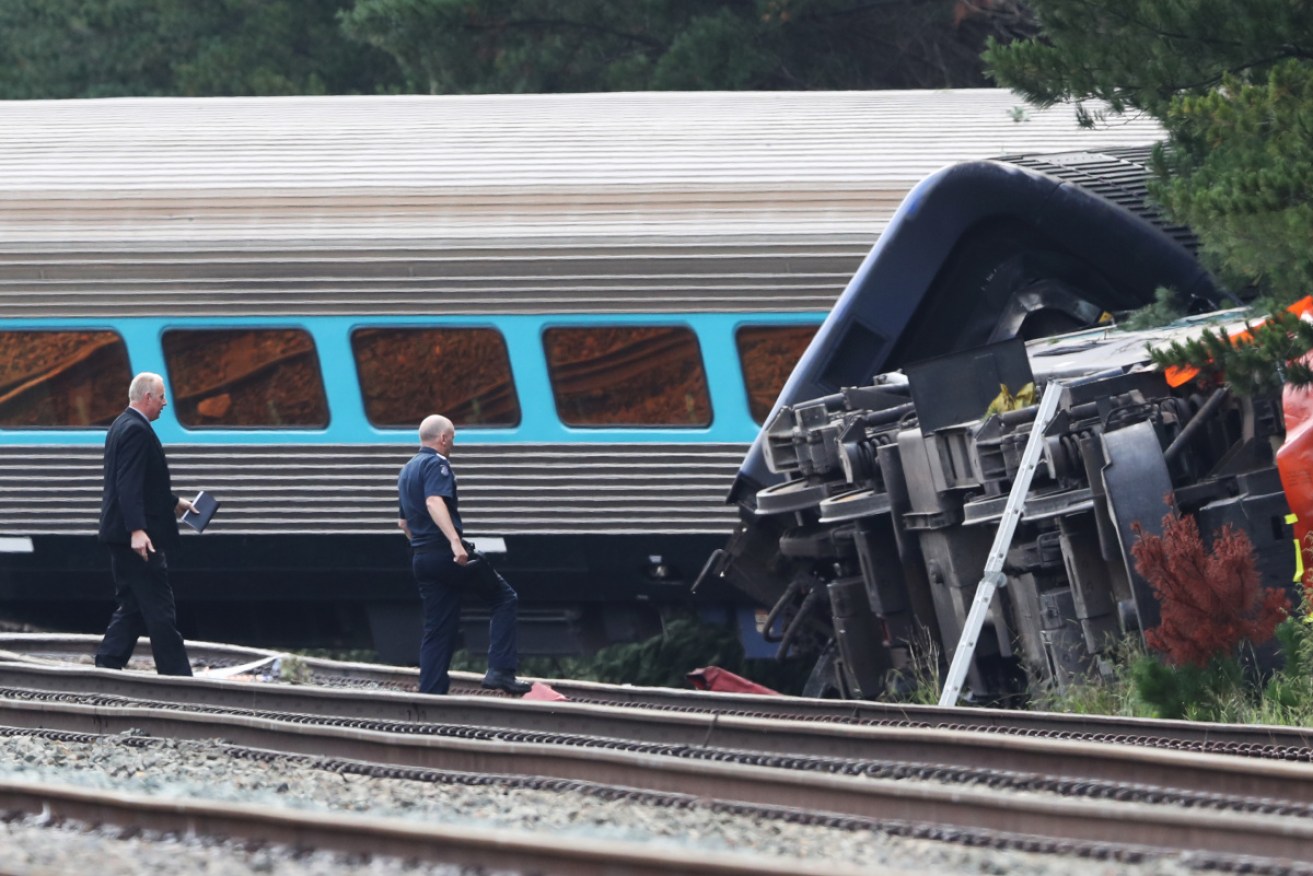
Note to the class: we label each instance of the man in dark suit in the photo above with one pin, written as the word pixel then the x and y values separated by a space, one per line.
pixel 139 525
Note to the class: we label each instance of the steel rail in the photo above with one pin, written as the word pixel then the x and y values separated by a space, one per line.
pixel 1118 824
pixel 484 848
pixel 61 646
pixel 739 736
pixel 1098 727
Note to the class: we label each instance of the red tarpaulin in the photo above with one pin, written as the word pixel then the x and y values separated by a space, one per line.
pixel 715 678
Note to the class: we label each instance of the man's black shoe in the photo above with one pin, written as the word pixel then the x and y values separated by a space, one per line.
pixel 500 679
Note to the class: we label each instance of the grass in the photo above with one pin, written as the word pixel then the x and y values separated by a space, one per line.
pixel 1231 689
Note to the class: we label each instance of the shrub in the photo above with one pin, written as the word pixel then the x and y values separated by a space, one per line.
pixel 1214 692
pixel 1210 605
pixel 1210 601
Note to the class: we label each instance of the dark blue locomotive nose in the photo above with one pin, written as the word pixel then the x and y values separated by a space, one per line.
pixel 987 250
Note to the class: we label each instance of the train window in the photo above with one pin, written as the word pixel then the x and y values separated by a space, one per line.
pixel 462 373
pixel 627 376
pixel 768 354
pixel 243 378
pixel 62 378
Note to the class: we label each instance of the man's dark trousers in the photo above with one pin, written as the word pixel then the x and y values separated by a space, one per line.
pixel 144 604
pixel 442 585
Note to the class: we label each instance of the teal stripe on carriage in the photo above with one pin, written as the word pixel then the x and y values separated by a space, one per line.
pixel 347 423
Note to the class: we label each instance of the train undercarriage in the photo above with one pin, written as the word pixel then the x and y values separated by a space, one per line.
pixel 871 551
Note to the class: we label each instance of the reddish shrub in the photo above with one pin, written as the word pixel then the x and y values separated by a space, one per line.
pixel 1210 602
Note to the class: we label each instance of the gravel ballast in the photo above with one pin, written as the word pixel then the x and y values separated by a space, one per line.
pixel 207 771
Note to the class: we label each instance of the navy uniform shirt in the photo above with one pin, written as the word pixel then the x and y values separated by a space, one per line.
pixel 427 474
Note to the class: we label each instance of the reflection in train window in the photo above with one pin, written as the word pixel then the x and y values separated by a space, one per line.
pixel 62 378
pixel 245 378
pixel 768 353
pixel 627 376
pixel 462 373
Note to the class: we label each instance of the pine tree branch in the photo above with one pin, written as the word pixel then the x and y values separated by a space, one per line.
pixel 1131 22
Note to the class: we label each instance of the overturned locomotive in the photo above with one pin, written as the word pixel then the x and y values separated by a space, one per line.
pixel 896 490
pixel 872 502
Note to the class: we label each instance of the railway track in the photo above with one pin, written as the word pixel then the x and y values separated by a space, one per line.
pixel 956 755
pixel 481 849
pixel 1017 791
pixel 1235 739
pixel 1227 842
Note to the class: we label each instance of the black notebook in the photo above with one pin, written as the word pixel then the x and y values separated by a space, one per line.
pixel 205 506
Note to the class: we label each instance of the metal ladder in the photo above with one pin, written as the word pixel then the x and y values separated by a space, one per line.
pixel 1007 527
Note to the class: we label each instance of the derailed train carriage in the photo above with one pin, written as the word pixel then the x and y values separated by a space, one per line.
pixel 601 289
pixel 871 500
pixel 879 539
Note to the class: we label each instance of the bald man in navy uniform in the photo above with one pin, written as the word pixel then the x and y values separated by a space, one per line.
pixel 430 517
pixel 139 526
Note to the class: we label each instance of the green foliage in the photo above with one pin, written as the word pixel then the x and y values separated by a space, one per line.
pixel 1141 685
pixel 1288 696
pixel 1111 693
pixel 1166 307
pixel 1140 54
pixel 1231 82
pixel 1241 172
pixel 1262 363
pixel 920 681
pixel 294 670
pixel 349 655
pixel 686 643
pixel 1214 692
pixel 501 46
pixel 113 48
pixel 1093 698
pixel 108 48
